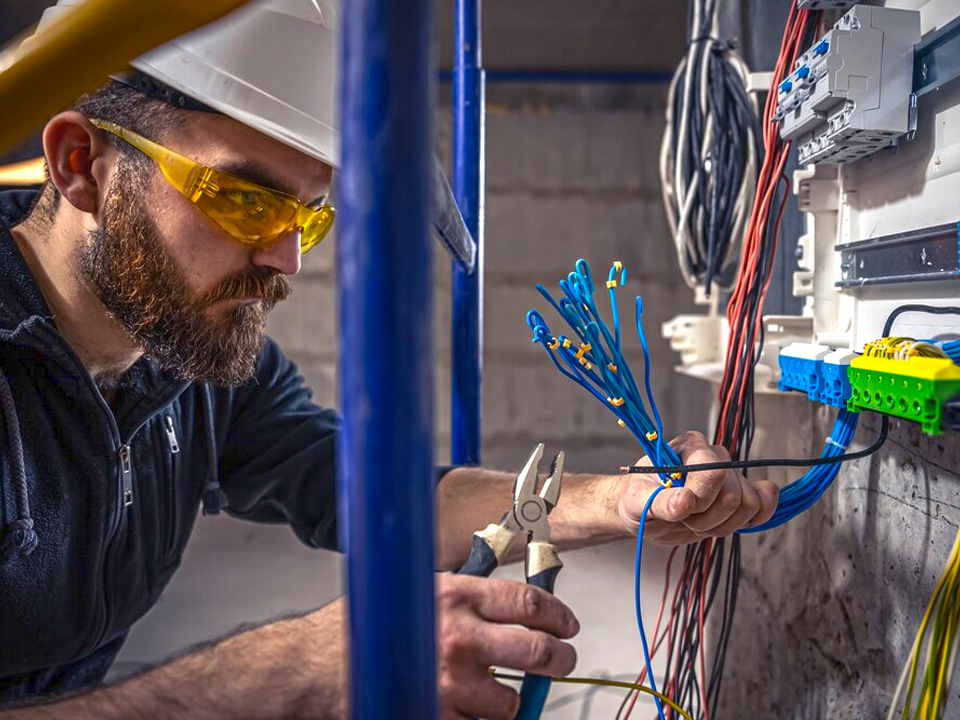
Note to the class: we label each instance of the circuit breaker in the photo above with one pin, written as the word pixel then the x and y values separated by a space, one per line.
pixel 849 95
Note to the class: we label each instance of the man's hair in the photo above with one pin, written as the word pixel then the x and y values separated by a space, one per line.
pixel 124 106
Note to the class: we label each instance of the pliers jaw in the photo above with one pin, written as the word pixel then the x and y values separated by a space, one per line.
pixel 530 507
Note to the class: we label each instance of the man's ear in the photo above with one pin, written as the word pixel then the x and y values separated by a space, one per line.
pixel 79 158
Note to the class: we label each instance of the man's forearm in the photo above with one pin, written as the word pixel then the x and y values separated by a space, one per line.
pixel 469 498
pixel 289 669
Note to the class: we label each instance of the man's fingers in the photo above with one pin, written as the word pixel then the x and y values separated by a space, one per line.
pixel 513 603
pixel 526 650
pixel 694 449
pixel 484 697
pixel 718 520
pixel 769 494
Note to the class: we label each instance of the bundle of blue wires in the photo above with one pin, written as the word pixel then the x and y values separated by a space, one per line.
pixel 802 494
pixel 952 349
pixel 592 357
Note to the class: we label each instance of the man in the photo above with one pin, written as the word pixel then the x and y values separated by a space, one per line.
pixel 137 385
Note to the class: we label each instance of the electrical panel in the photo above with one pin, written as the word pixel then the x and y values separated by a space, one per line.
pixel 849 94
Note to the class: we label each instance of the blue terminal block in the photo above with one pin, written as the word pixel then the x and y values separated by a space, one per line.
pixel 801 369
pixel 836 389
pixel 822 48
pixel 802 72
pixel 786 86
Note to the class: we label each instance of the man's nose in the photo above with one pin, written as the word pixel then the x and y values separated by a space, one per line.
pixel 284 257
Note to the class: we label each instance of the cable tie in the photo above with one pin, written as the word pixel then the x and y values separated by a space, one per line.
pixel 611 367
pixel 651 436
pixel 611 283
pixel 831 441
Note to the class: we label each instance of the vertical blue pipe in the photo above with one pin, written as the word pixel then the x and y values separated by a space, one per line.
pixel 468 180
pixel 384 256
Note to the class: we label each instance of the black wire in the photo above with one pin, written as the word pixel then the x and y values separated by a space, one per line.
pixel 914 307
pixel 770 462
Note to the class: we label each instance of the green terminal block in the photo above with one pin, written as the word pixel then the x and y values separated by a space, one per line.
pixel 913 389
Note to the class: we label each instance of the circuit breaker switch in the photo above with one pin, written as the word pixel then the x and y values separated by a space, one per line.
pixel 849 94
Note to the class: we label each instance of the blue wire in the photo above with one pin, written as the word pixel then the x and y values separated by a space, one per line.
pixel 646 379
pixel 636 599
pixel 578 308
pixel 800 495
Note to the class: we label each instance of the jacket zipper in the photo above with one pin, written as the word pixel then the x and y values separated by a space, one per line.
pixel 125 496
pixel 171 434
pixel 126 475
pixel 171 536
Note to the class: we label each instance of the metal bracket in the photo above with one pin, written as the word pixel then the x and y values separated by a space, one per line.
pixel 937 59
pixel 916 256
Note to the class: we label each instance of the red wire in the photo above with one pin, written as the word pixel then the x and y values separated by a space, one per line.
pixel 704 572
pixel 743 335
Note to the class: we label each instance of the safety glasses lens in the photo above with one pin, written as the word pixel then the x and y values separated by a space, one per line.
pixel 316 228
pixel 251 214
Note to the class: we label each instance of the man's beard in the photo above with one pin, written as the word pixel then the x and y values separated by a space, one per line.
pixel 126 264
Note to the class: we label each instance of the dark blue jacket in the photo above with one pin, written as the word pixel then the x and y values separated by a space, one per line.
pixel 89 541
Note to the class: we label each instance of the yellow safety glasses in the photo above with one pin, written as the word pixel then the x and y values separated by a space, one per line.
pixel 251 214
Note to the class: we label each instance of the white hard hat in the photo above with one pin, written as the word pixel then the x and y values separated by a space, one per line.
pixel 271 65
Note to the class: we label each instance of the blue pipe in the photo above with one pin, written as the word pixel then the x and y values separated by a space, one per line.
pixel 385 451
pixel 468 178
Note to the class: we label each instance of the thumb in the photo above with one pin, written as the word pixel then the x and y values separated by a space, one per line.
pixel 670 504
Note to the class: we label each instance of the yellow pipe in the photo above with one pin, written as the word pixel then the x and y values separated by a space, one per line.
pixel 28 172
pixel 76 53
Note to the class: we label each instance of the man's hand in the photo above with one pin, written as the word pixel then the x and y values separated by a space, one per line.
pixel 712 503
pixel 478 619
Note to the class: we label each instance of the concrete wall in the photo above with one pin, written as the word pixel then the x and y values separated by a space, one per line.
pixel 830 603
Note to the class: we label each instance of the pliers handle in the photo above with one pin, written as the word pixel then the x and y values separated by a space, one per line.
pixel 528 515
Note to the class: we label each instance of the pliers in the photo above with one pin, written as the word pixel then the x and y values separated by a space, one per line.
pixel 542 564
